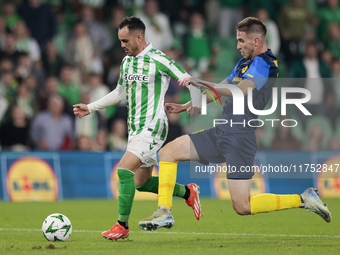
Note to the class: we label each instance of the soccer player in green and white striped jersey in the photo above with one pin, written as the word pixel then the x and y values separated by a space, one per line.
pixel 145 74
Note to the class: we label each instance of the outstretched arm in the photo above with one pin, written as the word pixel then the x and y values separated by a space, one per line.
pixel 113 98
pixel 243 85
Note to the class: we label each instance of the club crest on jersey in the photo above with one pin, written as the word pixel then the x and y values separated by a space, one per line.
pixel 244 69
pixel 136 77
pixel 146 66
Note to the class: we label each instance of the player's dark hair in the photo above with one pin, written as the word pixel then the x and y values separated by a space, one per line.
pixel 252 25
pixel 133 23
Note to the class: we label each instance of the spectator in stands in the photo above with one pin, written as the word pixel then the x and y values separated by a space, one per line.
pixel 14 134
pixel 335 67
pixel 117 14
pixel 10 13
pixel 114 55
pixel 25 43
pixel 158 26
pixel 294 17
pixel 327 58
pixel 100 144
pixel 309 35
pixel 6 65
pixel 51 129
pixel 88 126
pixel 334 144
pixel 51 60
pixel 97 88
pixel 314 69
pixel 66 21
pixel 9 49
pixel 8 86
pixel 26 68
pixel 331 108
pixel 2 33
pixel 284 140
pixel 333 39
pixel 117 136
pixel 273 35
pixel 3 106
pixel 40 20
pixel 198 45
pixel 271 6
pixel 97 31
pixel 79 50
pixel 230 15
pixel 67 88
pixel 327 15
pixel 84 143
pixel 315 138
pixel 25 99
pixel 50 89
pixel 181 24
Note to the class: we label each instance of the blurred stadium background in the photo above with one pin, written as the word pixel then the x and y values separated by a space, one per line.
pixel 56 53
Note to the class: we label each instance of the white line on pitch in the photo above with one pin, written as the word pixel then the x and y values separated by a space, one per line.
pixel 181 233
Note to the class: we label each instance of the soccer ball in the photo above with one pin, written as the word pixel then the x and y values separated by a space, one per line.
pixel 57 227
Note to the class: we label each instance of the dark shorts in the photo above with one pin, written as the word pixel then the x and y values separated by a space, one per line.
pixel 237 150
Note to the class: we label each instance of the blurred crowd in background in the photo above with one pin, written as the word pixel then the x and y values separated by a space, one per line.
pixel 56 53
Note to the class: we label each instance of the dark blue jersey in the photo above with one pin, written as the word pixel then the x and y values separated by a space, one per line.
pixel 263 71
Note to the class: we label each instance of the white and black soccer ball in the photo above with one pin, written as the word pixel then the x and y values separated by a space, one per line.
pixel 57 227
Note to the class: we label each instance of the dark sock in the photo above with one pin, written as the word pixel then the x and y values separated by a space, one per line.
pixel 187 193
pixel 302 202
pixel 124 224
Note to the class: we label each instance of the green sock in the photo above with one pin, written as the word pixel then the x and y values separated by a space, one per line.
pixel 126 193
pixel 152 186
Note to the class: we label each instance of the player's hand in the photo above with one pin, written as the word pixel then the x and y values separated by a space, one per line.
pixel 194 111
pixel 185 81
pixel 173 108
pixel 80 110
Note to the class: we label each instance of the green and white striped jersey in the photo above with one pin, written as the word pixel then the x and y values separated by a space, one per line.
pixel 146 78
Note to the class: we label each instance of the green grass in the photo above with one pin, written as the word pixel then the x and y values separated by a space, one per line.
pixel 220 231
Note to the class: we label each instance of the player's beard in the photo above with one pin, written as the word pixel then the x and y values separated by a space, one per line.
pixel 250 56
pixel 134 49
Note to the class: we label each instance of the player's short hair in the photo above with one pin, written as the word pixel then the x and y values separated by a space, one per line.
pixel 133 23
pixel 252 25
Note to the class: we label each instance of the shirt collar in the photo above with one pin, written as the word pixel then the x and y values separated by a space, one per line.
pixel 143 52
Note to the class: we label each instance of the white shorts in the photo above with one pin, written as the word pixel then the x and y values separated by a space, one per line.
pixel 145 148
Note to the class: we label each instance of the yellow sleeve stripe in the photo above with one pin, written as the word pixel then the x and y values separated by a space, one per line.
pixel 198 131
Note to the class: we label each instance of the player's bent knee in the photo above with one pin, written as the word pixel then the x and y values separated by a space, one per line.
pixel 165 153
pixel 138 185
pixel 242 209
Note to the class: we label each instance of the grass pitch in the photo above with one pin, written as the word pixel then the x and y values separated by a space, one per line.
pixel 220 230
